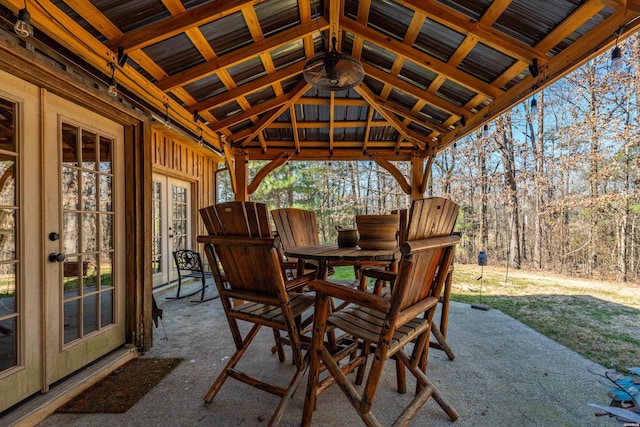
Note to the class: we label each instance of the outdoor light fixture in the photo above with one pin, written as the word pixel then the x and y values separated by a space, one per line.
pixel 485 131
pixel 23 26
pixel 616 59
pixel 616 53
pixel 167 120
pixel 534 107
pixel 463 121
pixel 113 87
pixel 200 138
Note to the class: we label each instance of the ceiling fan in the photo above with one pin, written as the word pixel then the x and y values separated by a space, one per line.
pixel 333 70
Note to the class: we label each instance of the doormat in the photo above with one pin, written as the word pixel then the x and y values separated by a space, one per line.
pixel 121 389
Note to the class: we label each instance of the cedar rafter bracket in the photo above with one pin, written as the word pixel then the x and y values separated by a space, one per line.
pixel 395 172
pixel 266 170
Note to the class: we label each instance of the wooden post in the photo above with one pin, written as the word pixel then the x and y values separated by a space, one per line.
pixel 242 172
pixel 417 174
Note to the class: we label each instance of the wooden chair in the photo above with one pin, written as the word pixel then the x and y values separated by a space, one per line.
pixel 428 218
pixel 388 322
pixel 240 241
pixel 298 227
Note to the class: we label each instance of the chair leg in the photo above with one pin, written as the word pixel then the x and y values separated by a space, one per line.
pixel 319 326
pixel 278 347
pixel 276 418
pixel 215 387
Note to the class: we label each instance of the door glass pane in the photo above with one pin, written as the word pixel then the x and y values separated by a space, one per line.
pixel 69 145
pixel 106 267
pixel 105 194
pixel 88 150
pixel 88 191
pixel 106 235
pixel 179 220
pixel 70 189
pixel 89 314
pixel 71 320
pixel 7 180
pixel 156 230
pixel 8 343
pixel 105 154
pixel 70 233
pixel 106 308
pixel 88 230
pixel 7 234
pixel 89 274
pixel 71 270
pixel 10 334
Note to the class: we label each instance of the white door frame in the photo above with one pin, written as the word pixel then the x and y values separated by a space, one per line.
pixel 166 205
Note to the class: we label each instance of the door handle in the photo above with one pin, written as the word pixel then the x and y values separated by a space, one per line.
pixel 55 257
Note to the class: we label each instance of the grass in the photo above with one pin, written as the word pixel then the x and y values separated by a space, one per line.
pixel 599 320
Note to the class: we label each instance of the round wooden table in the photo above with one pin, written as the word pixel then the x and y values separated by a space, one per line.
pixel 325 254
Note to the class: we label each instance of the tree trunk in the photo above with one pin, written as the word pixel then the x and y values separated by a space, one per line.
pixel 504 140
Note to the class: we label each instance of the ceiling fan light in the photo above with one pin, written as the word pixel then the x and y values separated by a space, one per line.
pixel 333 71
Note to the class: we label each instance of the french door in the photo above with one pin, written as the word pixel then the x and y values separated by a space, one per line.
pixel 61 238
pixel 84 214
pixel 171 225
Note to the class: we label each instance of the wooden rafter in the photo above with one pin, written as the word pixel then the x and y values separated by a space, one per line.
pixel 167 28
pixel 294 127
pixel 371 98
pixel 240 55
pixel 299 90
pixel 429 62
pixel 480 31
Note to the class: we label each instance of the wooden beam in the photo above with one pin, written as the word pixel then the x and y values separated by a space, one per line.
pixel 484 33
pixel 245 115
pixel 426 61
pixel 394 171
pixel 266 170
pixel 331 118
pixel 371 98
pixel 574 21
pixel 300 89
pixel 336 124
pixel 167 28
pixel 407 114
pixel 252 86
pixel 585 48
pixel 240 55
pixel 634 6
pixel 294 127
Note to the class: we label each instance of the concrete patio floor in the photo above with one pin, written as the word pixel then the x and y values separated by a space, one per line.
pixel 504 374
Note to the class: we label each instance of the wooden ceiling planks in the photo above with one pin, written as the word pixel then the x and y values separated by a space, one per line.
pixel 415 93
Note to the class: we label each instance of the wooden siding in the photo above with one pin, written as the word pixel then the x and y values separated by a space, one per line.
pixel 178 157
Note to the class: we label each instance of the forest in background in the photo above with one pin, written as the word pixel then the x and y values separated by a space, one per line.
pixel 553 191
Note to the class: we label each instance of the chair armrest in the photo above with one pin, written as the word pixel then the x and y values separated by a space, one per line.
pixel 299 281
pixel 387 276
pixel 350 295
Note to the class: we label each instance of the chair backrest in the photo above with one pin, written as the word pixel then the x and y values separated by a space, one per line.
pixel 188 260
pixel 431 217
pixel 296 227
pixel 247 219
pixel 242 243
